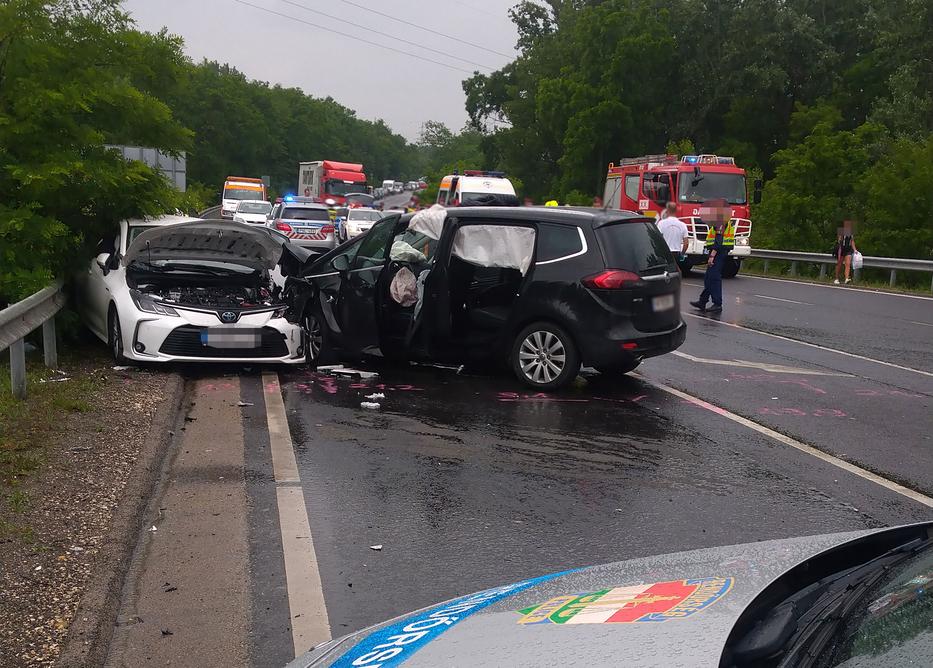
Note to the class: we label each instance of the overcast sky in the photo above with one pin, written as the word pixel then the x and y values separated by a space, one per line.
pixel 375 82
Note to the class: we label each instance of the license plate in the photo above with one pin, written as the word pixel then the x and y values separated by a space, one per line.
pixel 308 230
pixel 230 337
pixel 662 303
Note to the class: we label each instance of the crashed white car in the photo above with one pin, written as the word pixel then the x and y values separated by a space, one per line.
pixel 185 289
pixel 254 211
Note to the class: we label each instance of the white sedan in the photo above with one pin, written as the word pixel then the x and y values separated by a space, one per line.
pixel 253 211
pixel 357 221
pixel 185 289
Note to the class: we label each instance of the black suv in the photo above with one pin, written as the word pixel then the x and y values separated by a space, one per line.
pixel 543 289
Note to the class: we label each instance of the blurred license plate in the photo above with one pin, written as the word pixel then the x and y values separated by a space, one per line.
pixel 662 303
pixel 308 230
pixel 230 337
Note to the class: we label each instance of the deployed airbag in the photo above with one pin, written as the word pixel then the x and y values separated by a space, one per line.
pixel 495 246
pixel 429 222
pixel 404 287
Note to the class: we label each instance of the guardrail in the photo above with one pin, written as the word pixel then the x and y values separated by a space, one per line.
pixel 18 320
pixel 893 264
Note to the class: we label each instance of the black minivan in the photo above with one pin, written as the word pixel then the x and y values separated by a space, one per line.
pixel 542 289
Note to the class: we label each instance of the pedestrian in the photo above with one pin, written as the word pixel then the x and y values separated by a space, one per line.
pixel 844 250
pixel 674 231
pixel 528 202
pixel 597 202
pixel 720 240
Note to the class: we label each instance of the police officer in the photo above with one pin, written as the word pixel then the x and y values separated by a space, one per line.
pixel 720 240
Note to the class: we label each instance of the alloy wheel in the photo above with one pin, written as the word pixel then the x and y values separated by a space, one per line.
pixel 315 337
pixel 542 357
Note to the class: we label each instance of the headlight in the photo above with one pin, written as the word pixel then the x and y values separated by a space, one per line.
pixel 330 202
pixel 149 305
pixel 741 241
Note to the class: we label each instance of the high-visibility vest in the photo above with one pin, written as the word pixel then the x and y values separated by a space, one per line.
pixel 728 235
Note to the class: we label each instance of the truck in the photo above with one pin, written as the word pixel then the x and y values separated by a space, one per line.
pixel 329 182
pixel 646 183
pixel 238 188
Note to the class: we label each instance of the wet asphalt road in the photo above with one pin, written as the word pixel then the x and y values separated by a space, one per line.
pixel 469 481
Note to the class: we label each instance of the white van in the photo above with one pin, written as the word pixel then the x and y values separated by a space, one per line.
pixel 464 189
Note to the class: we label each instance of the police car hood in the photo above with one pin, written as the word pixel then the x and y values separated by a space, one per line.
pixel 212 240
pixel 669 610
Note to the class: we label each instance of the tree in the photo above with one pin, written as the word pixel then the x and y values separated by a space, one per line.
pixel 66 89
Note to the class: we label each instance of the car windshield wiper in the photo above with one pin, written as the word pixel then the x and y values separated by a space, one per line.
pixel 801 626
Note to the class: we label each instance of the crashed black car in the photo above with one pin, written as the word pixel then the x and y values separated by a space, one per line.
pixel 541 289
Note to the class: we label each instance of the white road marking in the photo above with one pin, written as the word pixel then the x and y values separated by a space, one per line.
pixel 307 609
pixel 917 322
pixel 764 366
pixel 789 301
pixel 807 343
pixel 797 445
pixel 850 287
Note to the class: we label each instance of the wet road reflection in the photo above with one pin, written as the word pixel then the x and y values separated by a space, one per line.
pixel 471 481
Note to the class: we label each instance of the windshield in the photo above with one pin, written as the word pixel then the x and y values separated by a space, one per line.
pixel 357 214
pixel 300 213
pixel 242 193
pixel 134 231
pixel 712 186
pixel 254 207
pixel 342 188
pixel 360 198
pixel 894 623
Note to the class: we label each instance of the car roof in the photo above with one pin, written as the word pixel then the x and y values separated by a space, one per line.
pixel 304 205
pixel 254 201
pixel 567 215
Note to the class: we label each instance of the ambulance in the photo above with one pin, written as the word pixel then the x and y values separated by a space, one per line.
pixel 238 188
pixel 475 187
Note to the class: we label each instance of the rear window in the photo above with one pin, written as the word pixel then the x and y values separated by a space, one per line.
pixel 298 213
pixel 557 241
pixel 634 246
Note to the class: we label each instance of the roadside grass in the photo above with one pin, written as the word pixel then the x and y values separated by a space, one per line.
pixel 808 274
pixel 27 427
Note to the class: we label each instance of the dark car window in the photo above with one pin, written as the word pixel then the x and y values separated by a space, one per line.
pixel 557 241
pixel 372 251
pixel 633 246
pixel 299 213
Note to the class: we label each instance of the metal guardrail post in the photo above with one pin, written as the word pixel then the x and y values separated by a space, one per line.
pixel 18 368
pixel 767 263
pixel 822 270
pixel 793 268
pixel 893 277
pixel 49 343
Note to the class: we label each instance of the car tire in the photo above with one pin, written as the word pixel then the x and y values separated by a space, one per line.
pixel 316 333
pixel 544 356
pixel 731 268
pixel 618 369
pixel 115 336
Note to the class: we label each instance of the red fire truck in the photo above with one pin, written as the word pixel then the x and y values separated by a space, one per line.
pixel 330 182
pixel 645 184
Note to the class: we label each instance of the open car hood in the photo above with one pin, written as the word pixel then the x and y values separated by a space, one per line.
pixel 199 240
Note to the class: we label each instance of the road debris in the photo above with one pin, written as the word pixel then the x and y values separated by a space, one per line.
pixel 377 548
pixel 376 395
pixel 371 405
pixel 243 404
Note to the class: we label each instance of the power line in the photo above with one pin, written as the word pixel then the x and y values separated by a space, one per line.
pixel 420 27
pixel 343 34
pixel 384 34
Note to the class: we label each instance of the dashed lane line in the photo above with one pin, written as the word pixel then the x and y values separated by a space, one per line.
pixel 797 445
pixel 307 608
pixel 807 343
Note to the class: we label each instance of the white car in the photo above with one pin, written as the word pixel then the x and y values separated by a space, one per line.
pixel 184 289
pixel 357 221
pixel 252 211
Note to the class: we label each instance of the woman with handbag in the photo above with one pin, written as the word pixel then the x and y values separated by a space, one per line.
pixel 843 250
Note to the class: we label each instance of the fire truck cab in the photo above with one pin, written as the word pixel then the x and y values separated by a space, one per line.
pixel 645 184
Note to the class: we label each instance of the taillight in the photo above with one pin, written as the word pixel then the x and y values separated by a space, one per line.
pixel 282 227
pixel 327 229
pixel 612 279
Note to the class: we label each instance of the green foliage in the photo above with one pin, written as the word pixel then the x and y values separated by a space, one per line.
pixel 65 90
pixel 442 152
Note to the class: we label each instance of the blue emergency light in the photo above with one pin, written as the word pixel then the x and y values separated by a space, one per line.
pixel 289 198
pixel 691 159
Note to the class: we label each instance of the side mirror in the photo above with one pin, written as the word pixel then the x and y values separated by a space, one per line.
pixel 102 261
pixel 341 263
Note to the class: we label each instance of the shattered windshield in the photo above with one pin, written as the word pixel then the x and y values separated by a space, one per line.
pixel 698 189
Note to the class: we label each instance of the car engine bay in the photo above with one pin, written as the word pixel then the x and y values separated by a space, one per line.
pixel 216 296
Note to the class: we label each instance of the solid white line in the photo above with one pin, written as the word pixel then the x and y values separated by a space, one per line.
pixel 306 605
pixel 764 366
pixel 917 322
pixel 850 287
pixel 807 343
pixel 797 445
pixel 789 301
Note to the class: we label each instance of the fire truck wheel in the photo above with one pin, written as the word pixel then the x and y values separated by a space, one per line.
pixel 731 268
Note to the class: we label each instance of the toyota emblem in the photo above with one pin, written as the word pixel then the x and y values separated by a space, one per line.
pixel 228 316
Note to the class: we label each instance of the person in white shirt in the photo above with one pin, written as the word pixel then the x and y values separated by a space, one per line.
pixel 674 231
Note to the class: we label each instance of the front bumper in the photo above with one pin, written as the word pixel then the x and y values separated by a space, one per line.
pixel 149 337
